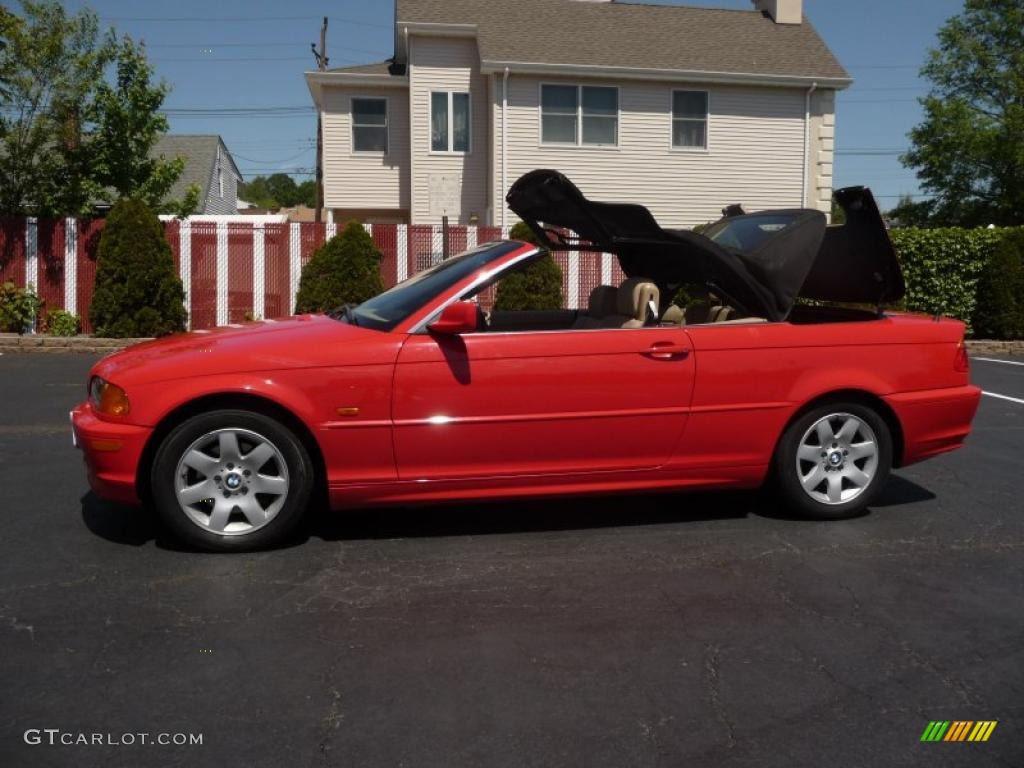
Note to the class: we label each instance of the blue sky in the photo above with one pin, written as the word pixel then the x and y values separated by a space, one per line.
pixel 236 54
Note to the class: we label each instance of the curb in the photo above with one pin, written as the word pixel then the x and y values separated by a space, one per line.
pixel 1003 348
pixel 37 343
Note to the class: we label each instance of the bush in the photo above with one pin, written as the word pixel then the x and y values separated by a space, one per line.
pixel 19 308
pixel 138 293
pixel 537 287
pixel 1000 310
pixel 344 270
pixel 942 267
pixel 60 322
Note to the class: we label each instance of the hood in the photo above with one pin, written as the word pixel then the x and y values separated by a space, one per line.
pixel 306 341
pixel 760 262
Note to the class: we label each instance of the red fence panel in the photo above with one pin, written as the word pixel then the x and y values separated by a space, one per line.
pixel 385 237
pixel 240 272
pixel 204 275
pixel 277 298
pixel 86 250
pixel 405 250
pixel 12 250
pixel 312 236
pixel 51 263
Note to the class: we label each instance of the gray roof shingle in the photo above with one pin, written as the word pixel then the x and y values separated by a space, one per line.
pixel 652 37
pixel 200 154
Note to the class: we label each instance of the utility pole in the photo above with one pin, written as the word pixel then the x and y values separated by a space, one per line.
pixel 321 60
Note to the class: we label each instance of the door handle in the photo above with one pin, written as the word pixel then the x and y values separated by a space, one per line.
pixel 666 350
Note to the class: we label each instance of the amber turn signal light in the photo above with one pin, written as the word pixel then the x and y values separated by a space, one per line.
pixel 108 398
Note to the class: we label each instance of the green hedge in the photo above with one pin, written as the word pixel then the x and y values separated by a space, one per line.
pixel 943 269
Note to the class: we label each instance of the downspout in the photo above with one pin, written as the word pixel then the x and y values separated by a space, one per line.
pixel 504 148
pixel 807 141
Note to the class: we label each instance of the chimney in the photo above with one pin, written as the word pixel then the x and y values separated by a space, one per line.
pixel 782 11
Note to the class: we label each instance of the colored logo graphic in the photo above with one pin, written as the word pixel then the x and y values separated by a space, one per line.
pixel 958 730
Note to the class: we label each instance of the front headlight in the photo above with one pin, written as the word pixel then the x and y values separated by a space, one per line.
pixel 108 398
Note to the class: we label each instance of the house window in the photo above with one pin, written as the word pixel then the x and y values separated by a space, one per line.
pixel 370 125
pixel 690 119
pixel 449 122
pixel 579 115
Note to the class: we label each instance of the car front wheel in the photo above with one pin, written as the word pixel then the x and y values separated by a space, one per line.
pixel 833 460
pixel 231 480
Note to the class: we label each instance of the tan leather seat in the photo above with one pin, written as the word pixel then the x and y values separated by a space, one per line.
pixel 637 297
pixel 602 303
pixel 674 315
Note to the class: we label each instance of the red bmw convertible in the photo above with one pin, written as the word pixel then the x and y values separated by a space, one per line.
pixel 420 395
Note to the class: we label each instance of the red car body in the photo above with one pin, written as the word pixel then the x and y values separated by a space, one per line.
pixel 399 416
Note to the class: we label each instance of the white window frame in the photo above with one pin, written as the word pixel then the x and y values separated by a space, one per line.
pixel 672 121
pixel 451 124
pixel 579 117
pixel 353 126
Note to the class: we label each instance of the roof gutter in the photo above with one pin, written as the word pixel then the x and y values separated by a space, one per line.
pixel 638 73
pixel 807 140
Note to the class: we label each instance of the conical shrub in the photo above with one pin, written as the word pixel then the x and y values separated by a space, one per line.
pixel 537 287
pixel 344 270
pixel 138 293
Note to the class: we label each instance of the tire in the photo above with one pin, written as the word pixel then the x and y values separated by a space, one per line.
pixel 833 460
pixel 231 481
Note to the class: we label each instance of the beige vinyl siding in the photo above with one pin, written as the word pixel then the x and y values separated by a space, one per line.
pixel 358 180
pixel 448 64
pixel 755 153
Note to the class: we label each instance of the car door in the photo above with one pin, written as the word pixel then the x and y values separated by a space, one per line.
pixel 544 402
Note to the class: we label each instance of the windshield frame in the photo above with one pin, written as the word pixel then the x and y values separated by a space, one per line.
pixel 485 260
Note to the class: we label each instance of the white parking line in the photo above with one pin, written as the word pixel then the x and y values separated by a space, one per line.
pixel 1003 397
pixel 994 360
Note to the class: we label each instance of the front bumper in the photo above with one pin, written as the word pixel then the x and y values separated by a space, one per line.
pixel 934 421
pixel 112 451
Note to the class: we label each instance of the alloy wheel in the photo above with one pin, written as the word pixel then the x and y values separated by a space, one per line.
pixel 837 458
pixel 231 481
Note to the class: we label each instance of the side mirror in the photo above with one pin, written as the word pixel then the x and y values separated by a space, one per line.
pixel 460 317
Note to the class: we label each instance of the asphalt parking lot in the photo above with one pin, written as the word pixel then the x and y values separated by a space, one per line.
pixel 697 630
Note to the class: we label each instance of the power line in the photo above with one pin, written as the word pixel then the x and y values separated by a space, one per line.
pixel 237 19
pixel 307 150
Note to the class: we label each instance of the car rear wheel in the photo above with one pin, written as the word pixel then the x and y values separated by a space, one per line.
pixel 833 460
pixel 231 481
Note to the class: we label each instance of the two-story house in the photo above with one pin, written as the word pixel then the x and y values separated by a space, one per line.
pixel 678 108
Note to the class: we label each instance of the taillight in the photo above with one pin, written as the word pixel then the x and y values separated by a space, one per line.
pixel 961 363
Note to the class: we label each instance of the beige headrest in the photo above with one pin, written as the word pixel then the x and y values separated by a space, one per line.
pixel 635 294
pixel 603 301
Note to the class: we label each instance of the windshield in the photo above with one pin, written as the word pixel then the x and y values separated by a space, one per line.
pixel 386 310
pixel 745 233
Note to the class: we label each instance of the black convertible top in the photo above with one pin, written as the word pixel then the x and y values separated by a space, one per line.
pixel 759 262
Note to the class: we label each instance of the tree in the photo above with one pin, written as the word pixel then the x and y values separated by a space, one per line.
pixel 127 124
pixel 138 292
pixel 344 270
pixel 49 64
pixel 536 287
pixel 68 137
pixel 278 191
pixel 1000 309
pixel 969 151
pixel 911 213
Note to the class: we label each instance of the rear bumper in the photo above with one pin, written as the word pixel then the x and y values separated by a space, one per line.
pixel 111 453
pixel 934 421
